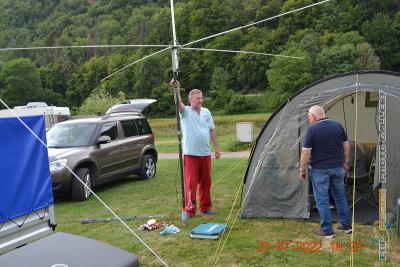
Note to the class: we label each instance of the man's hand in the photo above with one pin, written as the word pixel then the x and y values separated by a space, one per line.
pixel 304 159
pixel 217 154
pixel 303 175
pixel 175 84
pixel 346 167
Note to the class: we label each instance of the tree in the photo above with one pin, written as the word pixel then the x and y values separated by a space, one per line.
pixel 99 101
pixel 366 59
pixel 219 80
pixel 335 36
pixel 21 83
pixel 239 104
pixel 220 93
pixel 165 106
pixel 148 75
pixel 52 78
pixel 336 59
pixel 251 69
pixel 346 57
pixel 287 75
pixel 85 79
pixel 383 34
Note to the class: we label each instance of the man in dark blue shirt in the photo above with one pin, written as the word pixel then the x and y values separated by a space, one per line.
pixel 326 149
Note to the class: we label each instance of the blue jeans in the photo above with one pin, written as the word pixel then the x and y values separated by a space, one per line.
pixel 322 180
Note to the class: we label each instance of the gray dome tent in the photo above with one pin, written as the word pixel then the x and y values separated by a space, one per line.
pixel 272 187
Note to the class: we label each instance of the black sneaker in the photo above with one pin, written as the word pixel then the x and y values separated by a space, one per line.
pixel 345 229
pixel 321 233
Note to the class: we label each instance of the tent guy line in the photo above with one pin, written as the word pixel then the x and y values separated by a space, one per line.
pixel 241 185
pixel 230 229
pixel 266 147
pixel 83 183
pixel 354 172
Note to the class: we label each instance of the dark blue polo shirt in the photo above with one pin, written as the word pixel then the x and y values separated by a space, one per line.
pixel 325 138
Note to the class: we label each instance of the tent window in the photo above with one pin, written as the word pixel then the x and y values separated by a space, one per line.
pixel 371 99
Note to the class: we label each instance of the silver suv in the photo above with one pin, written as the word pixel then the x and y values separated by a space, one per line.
pixel 99 150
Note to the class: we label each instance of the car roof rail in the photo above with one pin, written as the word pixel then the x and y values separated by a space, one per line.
pixel 84 117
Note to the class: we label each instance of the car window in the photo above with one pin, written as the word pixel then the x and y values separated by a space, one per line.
pixel 129 128
pixel 110 129
pixel 143 126
pixel 70 135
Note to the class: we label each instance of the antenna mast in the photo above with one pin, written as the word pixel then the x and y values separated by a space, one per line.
pixel 175 71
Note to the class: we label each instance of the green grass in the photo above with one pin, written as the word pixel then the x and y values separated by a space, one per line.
pixel 166 133
pixel 161 195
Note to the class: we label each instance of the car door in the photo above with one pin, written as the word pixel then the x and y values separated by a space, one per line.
pixel 145 133
pixel 132 145
pixel 110 155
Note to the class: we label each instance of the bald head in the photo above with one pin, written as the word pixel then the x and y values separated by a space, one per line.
pixel 317 111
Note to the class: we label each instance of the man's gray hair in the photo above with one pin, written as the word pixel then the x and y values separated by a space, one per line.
pixel 194 92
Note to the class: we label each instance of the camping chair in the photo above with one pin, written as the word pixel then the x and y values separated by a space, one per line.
pixel 364 164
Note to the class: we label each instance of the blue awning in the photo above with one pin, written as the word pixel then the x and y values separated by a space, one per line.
pixel 25 180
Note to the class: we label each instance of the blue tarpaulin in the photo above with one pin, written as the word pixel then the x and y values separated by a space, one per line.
pixel 25 180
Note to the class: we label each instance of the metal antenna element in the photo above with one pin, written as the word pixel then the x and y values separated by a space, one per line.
pixel 141 59
pixel 76 46
pixel 175 71
pixel 214 35
pixel 255 23
pixel 239 52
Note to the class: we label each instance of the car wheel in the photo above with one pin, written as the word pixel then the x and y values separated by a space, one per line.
pixel 80 192
pixel 148 168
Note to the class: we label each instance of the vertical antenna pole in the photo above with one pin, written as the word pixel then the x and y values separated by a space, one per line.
pixel 175 70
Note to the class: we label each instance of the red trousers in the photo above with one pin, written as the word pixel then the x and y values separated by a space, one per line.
pixel 197 172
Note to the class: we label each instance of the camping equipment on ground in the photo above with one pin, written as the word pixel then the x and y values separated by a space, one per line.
pixel 170 230
pixel 208 231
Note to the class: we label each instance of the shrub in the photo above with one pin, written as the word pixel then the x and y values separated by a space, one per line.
pixel 98 102
pixel 234 145
pixel 239 104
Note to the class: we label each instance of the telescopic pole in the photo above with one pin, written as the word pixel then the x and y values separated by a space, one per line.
pixel 175 70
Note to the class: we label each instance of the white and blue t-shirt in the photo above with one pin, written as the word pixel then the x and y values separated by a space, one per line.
pixel 196 131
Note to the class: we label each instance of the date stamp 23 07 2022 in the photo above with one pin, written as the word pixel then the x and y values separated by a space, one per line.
pixel 308 246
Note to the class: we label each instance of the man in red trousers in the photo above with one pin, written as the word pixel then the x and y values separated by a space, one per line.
pixel 197 128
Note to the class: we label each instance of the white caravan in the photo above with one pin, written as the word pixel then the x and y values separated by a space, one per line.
pixel 52 114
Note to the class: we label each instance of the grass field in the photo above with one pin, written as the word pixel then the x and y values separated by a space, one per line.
pixel 166 134
pixel 245 245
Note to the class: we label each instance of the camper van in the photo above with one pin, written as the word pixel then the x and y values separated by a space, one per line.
pixel 52 114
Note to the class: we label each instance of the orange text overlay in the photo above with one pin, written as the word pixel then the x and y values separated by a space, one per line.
pixel 308 246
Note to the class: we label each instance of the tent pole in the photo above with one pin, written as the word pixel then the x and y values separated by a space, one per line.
pixel 175 71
